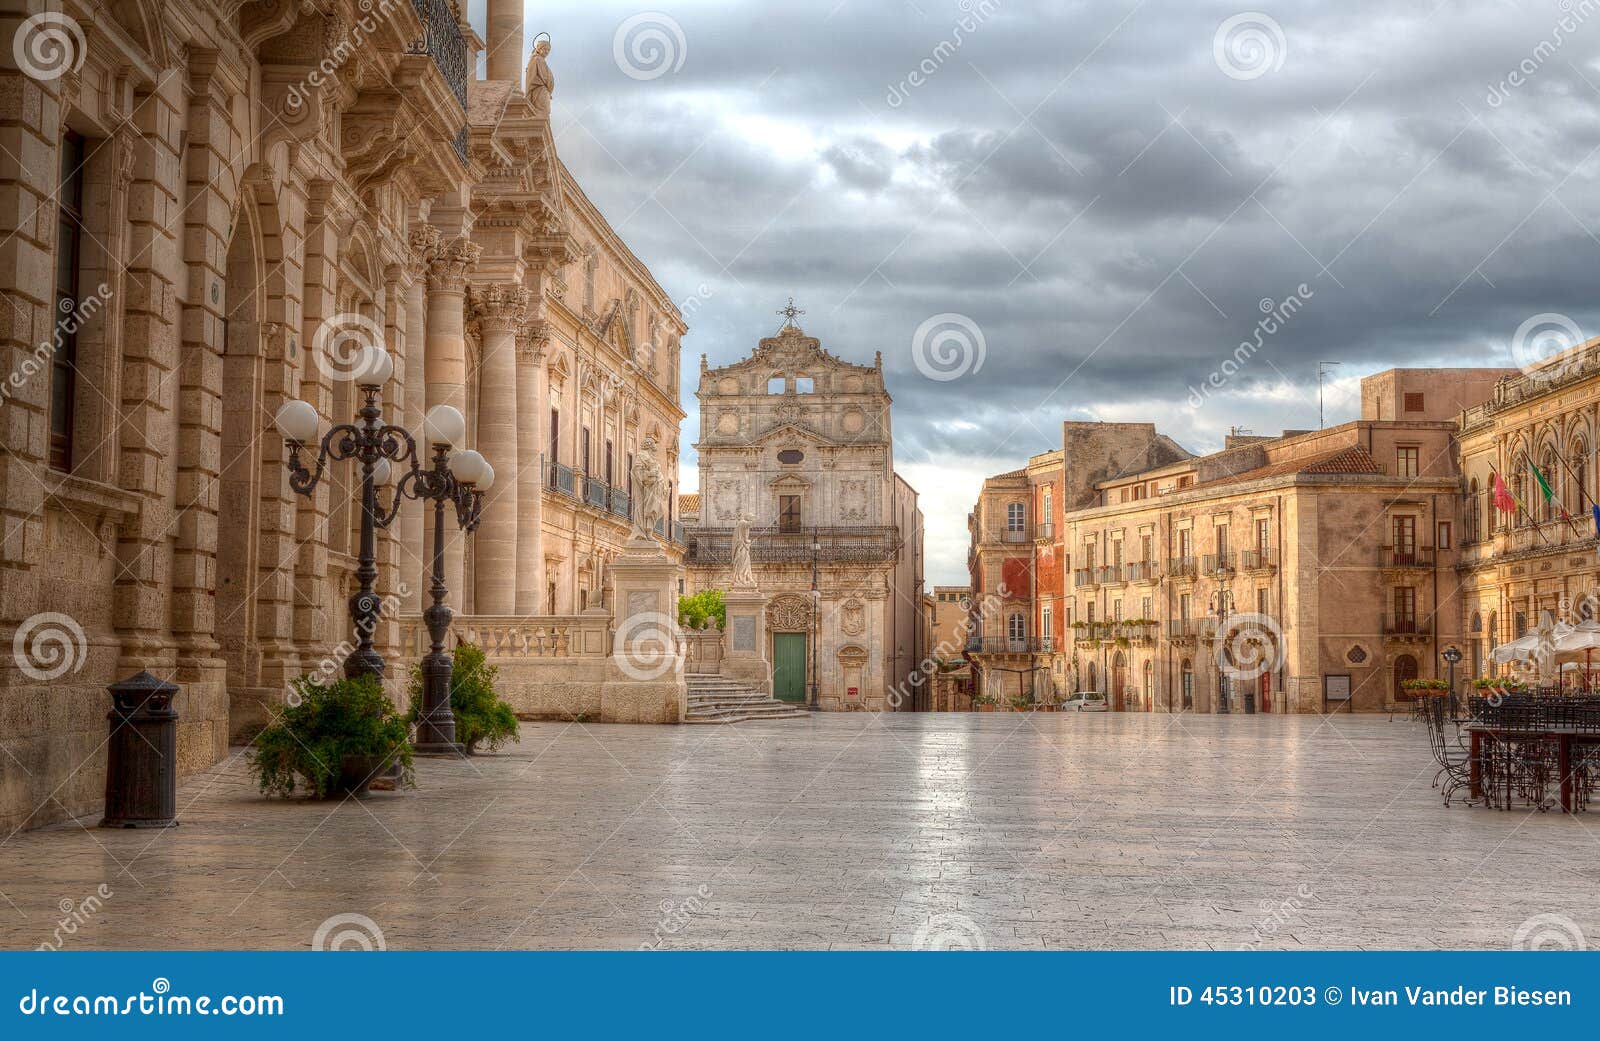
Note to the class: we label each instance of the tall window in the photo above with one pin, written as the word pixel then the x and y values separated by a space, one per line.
pixel 1148 545
pixel 1047 512
pixel 555 435
pixel 1473 518
pixel 1185 544
pixel 789 513
pixel 1547 468
pixel 1580 475
pixel 1404 529
pixel 1405 608
pixel 1442 535
pixel 1017 628
pixel 609 475
pixel 1016 517
pixel 69 245
pixel 583 459
pixel 1406 459
pixel 1263 536
pixel 1188 684
pixel 1047 617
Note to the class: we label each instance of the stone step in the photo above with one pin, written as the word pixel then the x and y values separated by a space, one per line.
pixel 757 707
pixel 745 717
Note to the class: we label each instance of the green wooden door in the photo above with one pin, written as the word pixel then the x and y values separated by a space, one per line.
pixel 789 666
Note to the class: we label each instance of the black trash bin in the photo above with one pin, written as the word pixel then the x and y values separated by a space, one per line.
pixel 142 755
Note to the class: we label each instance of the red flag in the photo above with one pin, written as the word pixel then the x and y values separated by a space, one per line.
pixel 1502 496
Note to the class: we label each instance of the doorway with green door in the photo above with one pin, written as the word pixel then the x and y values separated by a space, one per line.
pixel 789 667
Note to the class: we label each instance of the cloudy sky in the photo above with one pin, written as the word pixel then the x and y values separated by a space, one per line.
pixel 1109 192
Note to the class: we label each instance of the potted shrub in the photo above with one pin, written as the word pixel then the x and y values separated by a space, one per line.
pixel 1021 703
pixel 334 742
pixel 482 717
pixel 983 703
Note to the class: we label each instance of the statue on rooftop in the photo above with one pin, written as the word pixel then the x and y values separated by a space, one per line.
pixel 539 83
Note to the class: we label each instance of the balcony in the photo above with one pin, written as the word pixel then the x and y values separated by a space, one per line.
pixel 1015 535
pixel 1111 575
pixel 1182 567
pixel 834 544
pixel 1083 578
pixel 1190 628
pixel 596 493
pixel 1145 571
pixel 1405 557
pixel 1258 560
pixel 1045 532
pixel 1007 645
pixel 1217 564
pixel 448 49
pixel 1406 627
pixel 561 479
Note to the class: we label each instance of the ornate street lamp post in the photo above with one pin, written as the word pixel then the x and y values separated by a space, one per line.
pixel 460 481
pixel 816 615
pixel 1451 656
pixel 1224 606
pixel 373 444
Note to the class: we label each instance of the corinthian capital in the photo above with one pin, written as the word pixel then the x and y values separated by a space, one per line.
pixel 532 338
pixel 424 243
pixel 500 306
pixel 447 269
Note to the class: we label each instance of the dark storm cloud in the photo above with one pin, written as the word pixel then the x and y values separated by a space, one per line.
pixel 1110 208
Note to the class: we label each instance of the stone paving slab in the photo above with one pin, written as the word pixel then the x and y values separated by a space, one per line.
pixel 842 831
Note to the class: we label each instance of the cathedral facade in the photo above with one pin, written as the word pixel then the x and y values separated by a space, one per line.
pixel 799 443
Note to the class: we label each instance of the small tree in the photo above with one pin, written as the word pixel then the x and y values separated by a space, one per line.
pixel 482 717
pixel 694 610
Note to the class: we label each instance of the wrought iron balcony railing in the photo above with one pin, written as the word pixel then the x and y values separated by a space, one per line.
pixel 827 544
pixel 1007 644
pixel 1044 532
pixel 561 479
pixel 596 493
pixel 1144 571
pixel 1110 574
pixel 1181 567
pixel 1257 560
pixel 1190 628
pixel 1217 563
pixel 1406 625
pixel 1016 535
pixel 1083 577
pixel 1405 556
pixel 448 49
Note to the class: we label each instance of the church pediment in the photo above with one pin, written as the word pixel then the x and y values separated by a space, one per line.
pixel 787 433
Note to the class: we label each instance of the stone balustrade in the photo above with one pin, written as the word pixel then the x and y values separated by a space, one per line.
pixel 539 636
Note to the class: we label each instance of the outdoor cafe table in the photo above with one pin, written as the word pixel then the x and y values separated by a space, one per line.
pixel 1563 736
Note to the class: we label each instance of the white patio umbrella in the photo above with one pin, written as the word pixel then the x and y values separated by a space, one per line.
pixel 1585 637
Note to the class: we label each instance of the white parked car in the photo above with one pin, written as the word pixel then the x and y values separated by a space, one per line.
pixel 1085 701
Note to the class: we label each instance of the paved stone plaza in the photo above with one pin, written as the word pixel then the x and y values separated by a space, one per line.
pixel 844 831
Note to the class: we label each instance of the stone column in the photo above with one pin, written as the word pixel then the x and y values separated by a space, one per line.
pixel 504 59
pixel 499 309
pixel 744 655
pixel 532 425
pixel 445 368
pixel 414 529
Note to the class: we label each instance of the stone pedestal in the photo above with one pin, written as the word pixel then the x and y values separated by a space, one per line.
pixel 744 645
pixel 644 675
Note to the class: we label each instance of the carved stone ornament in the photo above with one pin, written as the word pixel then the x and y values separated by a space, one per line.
pixel 447 272
pixel 789 614
pixel 853 618
pixel 500 307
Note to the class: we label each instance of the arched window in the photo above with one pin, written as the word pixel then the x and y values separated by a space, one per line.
pixel 1580 475
pixel 1477 622
pixel 1188 684
pixel 1472 512
pixel 1519 489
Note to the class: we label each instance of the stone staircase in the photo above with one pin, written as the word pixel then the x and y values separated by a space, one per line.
pixel 713 699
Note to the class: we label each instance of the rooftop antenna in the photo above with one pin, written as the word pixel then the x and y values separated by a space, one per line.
pixel 1322 368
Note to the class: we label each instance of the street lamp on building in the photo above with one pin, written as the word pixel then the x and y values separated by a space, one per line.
pixel 1224 607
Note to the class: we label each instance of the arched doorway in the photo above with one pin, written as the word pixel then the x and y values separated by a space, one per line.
pixel 1405 668
pixel 1119 682
pixel 1187 674
pixel 1149 686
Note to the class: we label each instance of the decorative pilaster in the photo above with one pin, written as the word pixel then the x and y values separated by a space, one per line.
pixel 532 429
pixel 499 310
pixel 445 368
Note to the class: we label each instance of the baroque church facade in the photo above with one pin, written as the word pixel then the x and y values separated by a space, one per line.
pixel 799 443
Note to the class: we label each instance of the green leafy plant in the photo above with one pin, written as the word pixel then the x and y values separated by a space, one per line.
pixel 694 610
pixel 333 741
pixel 482 716
pixel 1424 685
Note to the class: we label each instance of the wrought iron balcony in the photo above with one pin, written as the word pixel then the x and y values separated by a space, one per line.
pixel 448 48
pixel 561 479
pixel 1406 625
pixel 1217 563
pixel 1190 628
pixel 1405 556
pixel 1110 574
pixel 1083 577
pixel 596 493
pixel 1144 571
pixel 1044 532
pixel 1016 535
pixel 1006 645
pixel 1257 560
pixel 621 503
pixel 829 544
pixel 1181 567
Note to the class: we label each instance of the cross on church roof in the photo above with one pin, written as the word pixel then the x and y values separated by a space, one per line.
pixel 789 312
